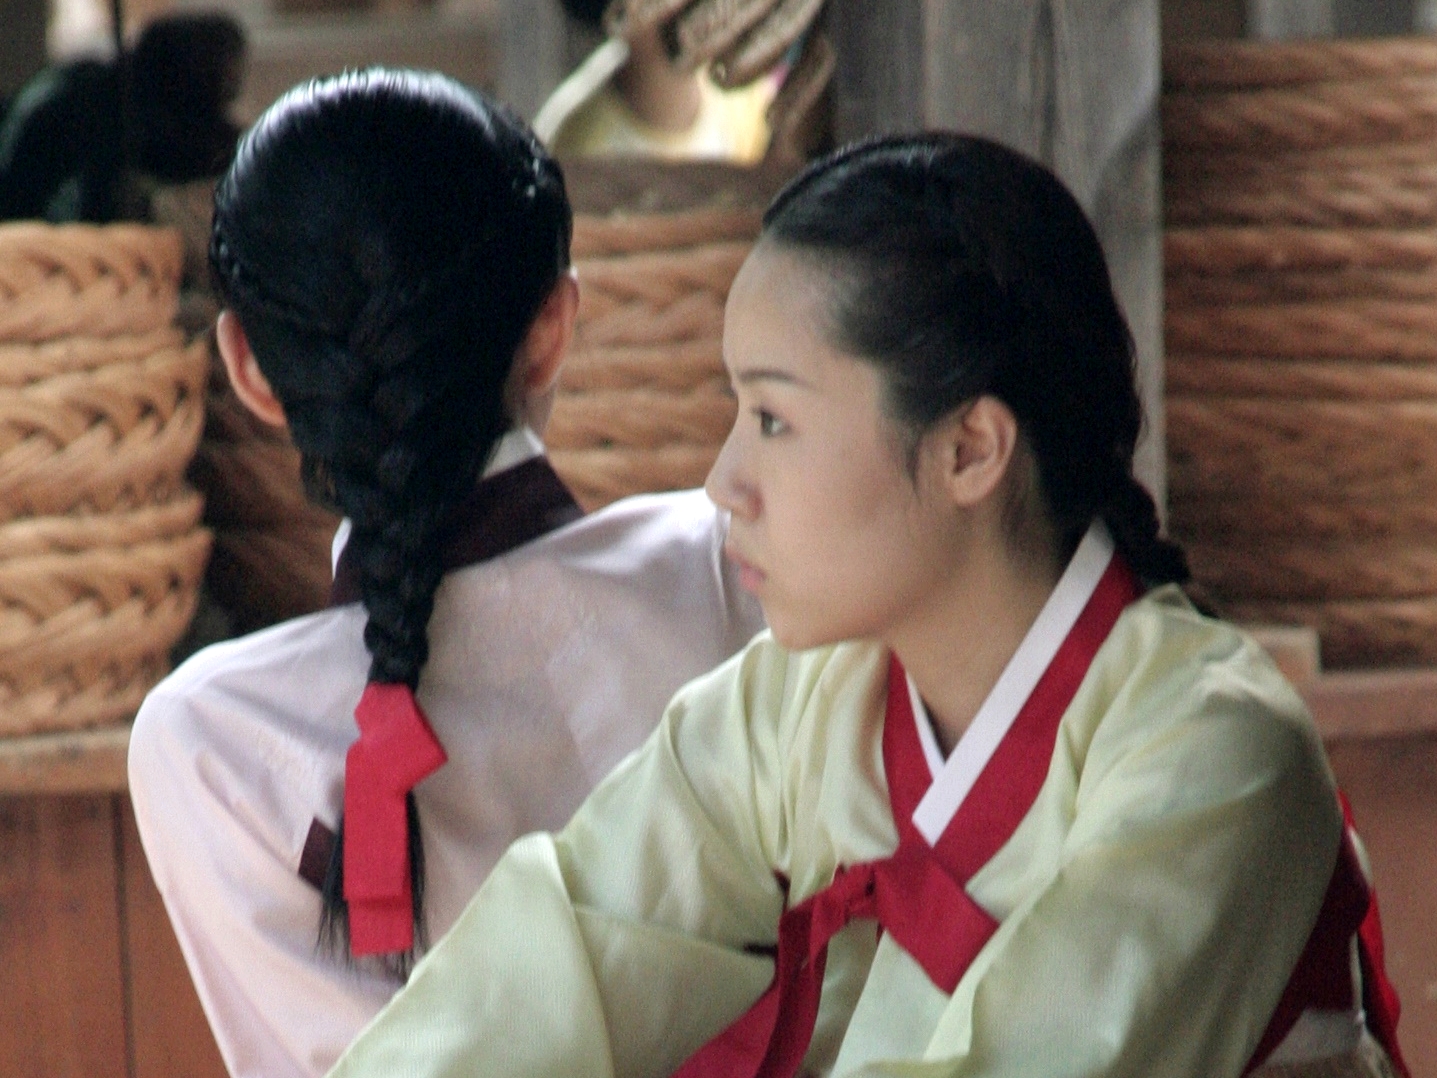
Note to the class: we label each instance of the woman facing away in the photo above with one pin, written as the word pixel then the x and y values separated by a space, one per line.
pixel 393 255
pixel 992 799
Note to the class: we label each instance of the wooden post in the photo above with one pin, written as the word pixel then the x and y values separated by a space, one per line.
pixel 538 47
pixel 1073 84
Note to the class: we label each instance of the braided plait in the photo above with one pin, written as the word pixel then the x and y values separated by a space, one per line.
pixel 386 240
pixel 961 269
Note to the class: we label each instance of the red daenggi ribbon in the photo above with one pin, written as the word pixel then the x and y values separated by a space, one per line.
pixel 396 750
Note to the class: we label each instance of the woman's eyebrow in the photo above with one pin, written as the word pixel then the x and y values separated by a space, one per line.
pixel 769 374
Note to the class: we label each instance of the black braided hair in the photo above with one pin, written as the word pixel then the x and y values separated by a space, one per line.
pixel 962 268
pixel 386 239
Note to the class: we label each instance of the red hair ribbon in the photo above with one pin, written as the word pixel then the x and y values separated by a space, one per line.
pixel 396 750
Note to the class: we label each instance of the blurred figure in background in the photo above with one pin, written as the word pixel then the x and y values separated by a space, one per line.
pixel 637 95
pixel 79 132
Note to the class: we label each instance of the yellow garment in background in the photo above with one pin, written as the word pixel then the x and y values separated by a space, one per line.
pixel 1152 903
pixel 732 125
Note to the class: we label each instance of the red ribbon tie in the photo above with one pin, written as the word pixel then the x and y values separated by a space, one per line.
pixel 396 750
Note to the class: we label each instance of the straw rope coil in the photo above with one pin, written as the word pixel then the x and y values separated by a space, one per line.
pixel 84 634
pixel 1238 65
pixel 1302 570
pixel 1253 525
pixel 113 424
pixel 1198 376
pixel 1301 335
pixel 271 572
pixel 643 402
pixel 1321 114
pixel 1219 251
pixel 101 406
pixel 1360 330
pixel 1254 449
pixel 95 281
pixel 1377 189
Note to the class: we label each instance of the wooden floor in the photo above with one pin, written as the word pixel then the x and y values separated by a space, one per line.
pixel 92 984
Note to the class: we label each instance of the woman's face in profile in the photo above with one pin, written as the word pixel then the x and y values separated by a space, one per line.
pixel 829 528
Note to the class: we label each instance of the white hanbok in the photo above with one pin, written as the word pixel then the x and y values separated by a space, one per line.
pixel 548 664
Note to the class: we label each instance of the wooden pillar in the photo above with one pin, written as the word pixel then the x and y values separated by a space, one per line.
pixel 22 43
pixel 538 47
pixel 1074 84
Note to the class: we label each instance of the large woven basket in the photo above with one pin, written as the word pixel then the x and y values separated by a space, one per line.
pixel 1301 279
pixel 101 552
pixel 643 402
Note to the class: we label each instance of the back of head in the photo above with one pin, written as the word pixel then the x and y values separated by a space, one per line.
pixel 964 269
pixel 386 239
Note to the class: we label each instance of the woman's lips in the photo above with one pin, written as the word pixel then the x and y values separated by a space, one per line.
pixel 750 577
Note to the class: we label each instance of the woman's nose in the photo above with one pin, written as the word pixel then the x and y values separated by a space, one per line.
pixel 726 485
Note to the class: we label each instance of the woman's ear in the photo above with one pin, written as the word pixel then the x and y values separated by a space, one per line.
pixel 977 446
pixel 535 376
pixel 250 384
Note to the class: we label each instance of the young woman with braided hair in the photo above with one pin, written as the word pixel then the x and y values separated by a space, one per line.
pixel 993 798
pixel 393 254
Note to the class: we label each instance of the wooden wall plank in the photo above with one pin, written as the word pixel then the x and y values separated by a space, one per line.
pixel 1391 784
pixel 170 1035
pixel 61 997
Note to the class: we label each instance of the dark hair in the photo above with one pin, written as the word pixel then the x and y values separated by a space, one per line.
pixel 961 269
pixel 587 12
pixel 386 238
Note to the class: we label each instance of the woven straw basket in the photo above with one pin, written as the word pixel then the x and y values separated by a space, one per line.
pixel 643 402
pixel 1301 278
pixel 100 409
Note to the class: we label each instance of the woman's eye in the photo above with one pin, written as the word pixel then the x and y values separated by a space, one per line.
pixel 769 424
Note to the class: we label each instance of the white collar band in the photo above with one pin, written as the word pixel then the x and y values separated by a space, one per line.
pixel 1033 657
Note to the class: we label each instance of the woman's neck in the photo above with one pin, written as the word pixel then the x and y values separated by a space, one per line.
pixel 661 95
pixel 958 646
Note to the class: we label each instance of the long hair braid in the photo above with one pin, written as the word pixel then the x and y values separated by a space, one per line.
pixel 386 239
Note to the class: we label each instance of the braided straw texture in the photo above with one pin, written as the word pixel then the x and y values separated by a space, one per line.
pixel 88 280
pixel 644 402
pixel 90 605
pixel 1362 187
pixel 1308 117
pixel 1301 334
pixel 1238 65
pixel 1354 329
pixel 101 406
pixel 97 424
pixel 1255 448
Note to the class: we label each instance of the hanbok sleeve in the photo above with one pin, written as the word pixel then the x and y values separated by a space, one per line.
pixel 619 946
pixel 1204 831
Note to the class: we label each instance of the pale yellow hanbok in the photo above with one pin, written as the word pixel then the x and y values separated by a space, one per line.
pixel 1150 905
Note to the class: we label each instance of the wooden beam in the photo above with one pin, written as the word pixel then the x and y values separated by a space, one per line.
pixel 1353 705
pixel 86 761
